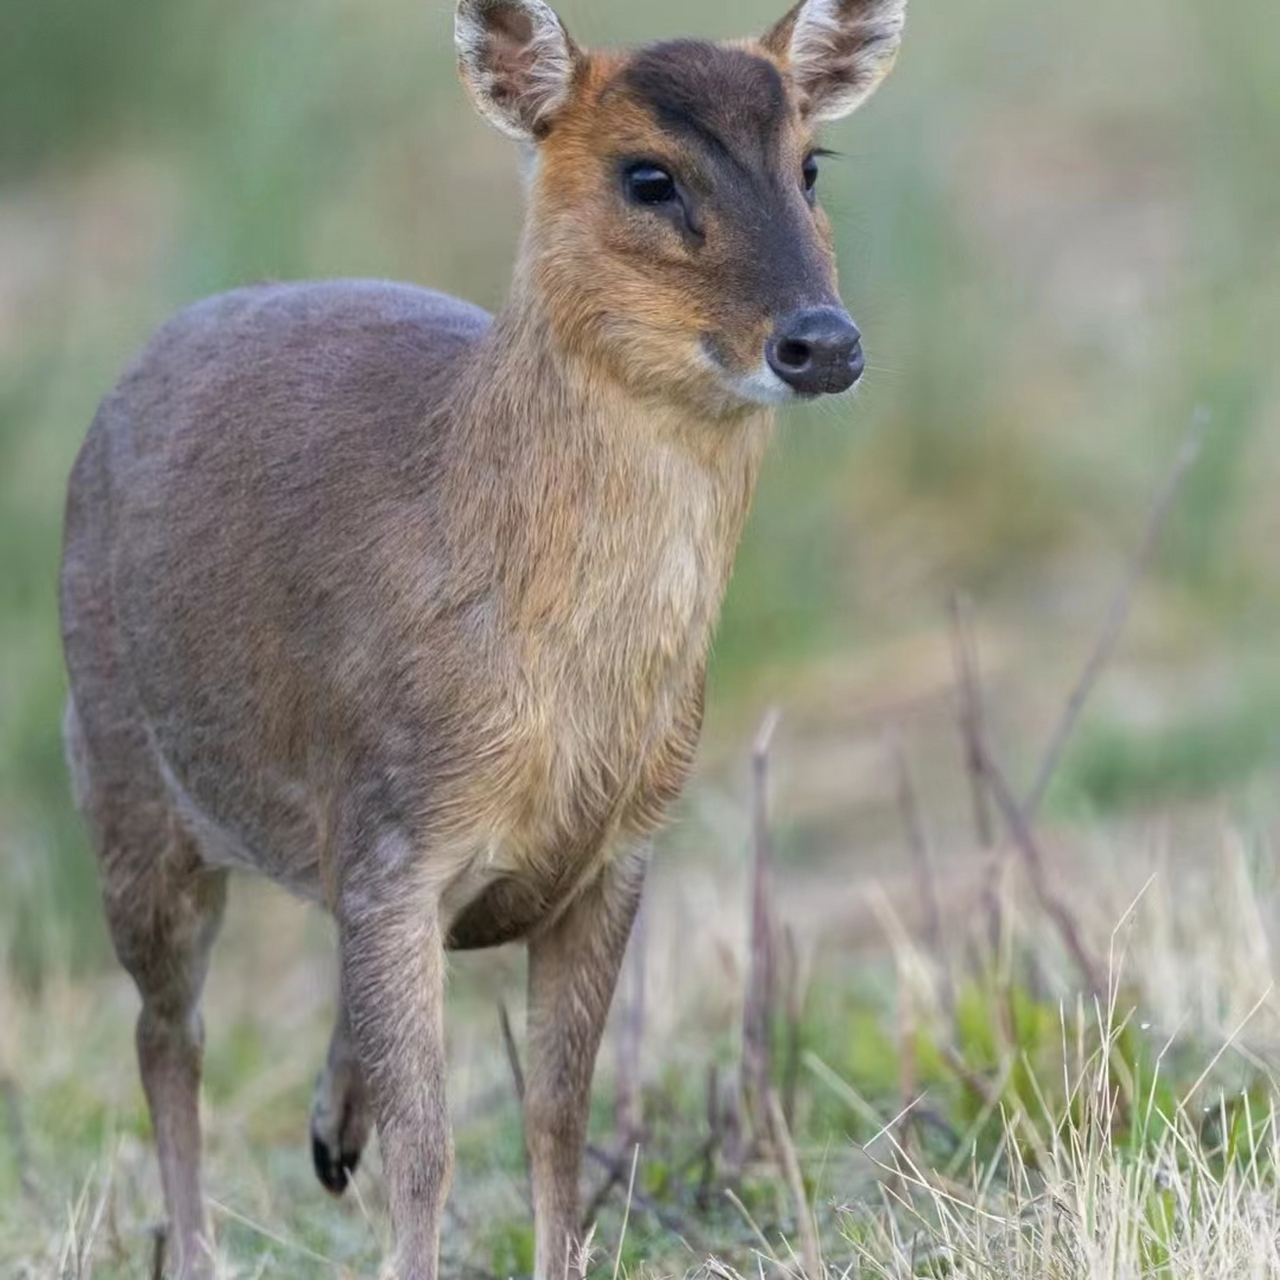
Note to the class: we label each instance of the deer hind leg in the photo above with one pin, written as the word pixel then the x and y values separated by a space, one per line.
pixel 341 1116
pixel 164 907
pixel 573 969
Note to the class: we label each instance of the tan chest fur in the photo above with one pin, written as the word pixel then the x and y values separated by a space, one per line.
pixel 612 606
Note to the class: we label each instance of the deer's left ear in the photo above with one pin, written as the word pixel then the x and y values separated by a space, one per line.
pixel 517 62
pixel 838 51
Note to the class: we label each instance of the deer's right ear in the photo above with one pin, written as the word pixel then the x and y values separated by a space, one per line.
pixel 517 62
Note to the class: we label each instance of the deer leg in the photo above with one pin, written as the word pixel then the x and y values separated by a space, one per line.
pixel 392 954
pixel 340 1113
pixel 163 931
pixel 573 969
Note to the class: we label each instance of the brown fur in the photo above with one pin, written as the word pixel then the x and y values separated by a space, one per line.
pixel 409 609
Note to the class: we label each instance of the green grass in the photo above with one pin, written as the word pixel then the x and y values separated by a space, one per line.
pixel 1196 756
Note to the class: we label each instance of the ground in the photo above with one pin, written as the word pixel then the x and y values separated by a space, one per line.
pixel 950 1107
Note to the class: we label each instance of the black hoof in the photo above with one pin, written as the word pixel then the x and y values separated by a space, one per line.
pixel 334 1169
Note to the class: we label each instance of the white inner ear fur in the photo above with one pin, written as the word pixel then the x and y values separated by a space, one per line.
pixel 515 85
pixel 842 49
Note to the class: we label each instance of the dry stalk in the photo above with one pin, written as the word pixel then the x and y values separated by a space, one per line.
pixel 760 995
pixel 789 1166
pixel 628 1108
pixel 615 1169
pixel 972 715
pixel 732 1138
pixel 985 774
pixel 617 1174
pixel 513 1054
pixel 159 1247
pixel 715 1139
pixel 1118 614
pixel 926 874
pixel 972 1081
pixel 795 982
pixel 1024 838
pixel 906 1054
pixel 598 1201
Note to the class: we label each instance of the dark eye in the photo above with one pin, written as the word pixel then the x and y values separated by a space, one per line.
pixel 649 184
pixel 810 172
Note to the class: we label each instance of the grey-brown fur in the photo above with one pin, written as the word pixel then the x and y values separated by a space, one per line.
pixel 407 609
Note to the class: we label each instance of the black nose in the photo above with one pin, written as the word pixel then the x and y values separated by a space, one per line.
pixel 817 351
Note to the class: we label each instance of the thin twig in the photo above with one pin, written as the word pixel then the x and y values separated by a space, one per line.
pixel 971 714
pixel 964 651
pixel 617 1170
pixel 985 777
pixel 789 1165
pixel 925 871
pixel 733 1143
pixel 906 1050
pixel 597 1201
pixel 794 995
pixel 627 1107
pixel 715 1138
pixel 1024 838
pixel 611 1164
pixel 1118 613
pixel 159 1243
pixel 926 1117
pixel 906 1077
pixel 972 1081
pixel 758 1001
pixel 513 1054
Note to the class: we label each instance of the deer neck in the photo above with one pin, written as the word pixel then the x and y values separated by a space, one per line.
pixel 596 507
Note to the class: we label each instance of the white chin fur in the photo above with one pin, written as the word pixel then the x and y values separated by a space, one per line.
pixel 761 386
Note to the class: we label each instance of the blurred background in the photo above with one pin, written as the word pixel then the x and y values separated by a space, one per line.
pixel 1059 227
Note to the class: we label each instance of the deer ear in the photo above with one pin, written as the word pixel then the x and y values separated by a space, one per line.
pixel 838 51
pixel 517 63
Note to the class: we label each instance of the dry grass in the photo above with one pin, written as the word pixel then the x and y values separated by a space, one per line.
pixel 1099 1168
pixel 1124 1174
pixel 1083 1209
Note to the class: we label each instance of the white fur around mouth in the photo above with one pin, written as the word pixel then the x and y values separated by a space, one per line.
pixel 761 386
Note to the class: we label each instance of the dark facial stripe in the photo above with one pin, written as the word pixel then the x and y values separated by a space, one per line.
pixel 731 101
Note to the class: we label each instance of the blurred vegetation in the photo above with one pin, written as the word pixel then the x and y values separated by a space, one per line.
pixel 1059 228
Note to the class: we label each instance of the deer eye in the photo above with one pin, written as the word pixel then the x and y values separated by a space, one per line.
pixel 650 184
pixel 810 173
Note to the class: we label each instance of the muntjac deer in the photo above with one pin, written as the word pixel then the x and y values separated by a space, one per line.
pixel 407 607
